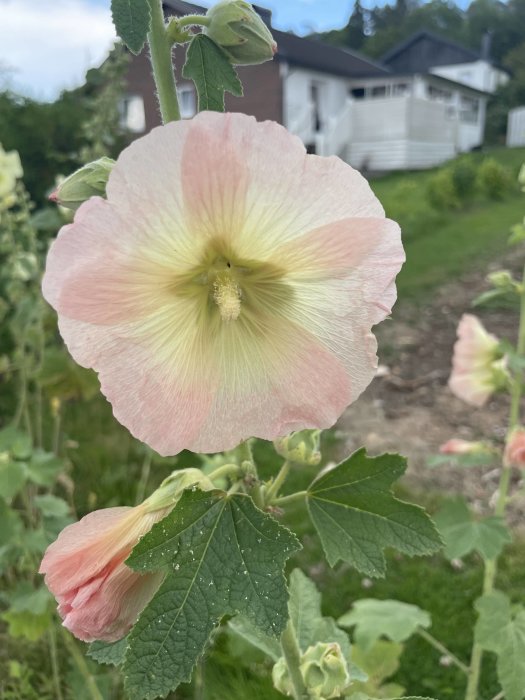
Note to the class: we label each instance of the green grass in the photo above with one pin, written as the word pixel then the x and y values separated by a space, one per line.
pixel 443 244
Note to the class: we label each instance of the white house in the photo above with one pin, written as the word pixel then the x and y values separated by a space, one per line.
pixel 422 104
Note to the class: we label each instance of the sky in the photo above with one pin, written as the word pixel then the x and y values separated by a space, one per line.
pixel 47 45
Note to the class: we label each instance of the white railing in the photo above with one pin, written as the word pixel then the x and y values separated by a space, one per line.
pixel 334 139
pixel 302 122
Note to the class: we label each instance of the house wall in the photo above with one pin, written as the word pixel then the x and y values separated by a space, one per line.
pixel 516 127
pixel 480 75
pixel 263 96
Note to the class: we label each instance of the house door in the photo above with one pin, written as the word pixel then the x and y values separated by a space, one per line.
pixel 316 95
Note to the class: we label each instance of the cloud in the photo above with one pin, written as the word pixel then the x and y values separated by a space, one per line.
pixel 48 45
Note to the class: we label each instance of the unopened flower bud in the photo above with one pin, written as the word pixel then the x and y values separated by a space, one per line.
pixel 302 447
pixel 170 491
pixel 514 455
pixel 502 279
pixel 88 181
pixel 324 670
pixel 281 677
pixel 456 446
pixel 237 28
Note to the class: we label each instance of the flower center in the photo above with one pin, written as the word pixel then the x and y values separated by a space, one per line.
pixel 227 296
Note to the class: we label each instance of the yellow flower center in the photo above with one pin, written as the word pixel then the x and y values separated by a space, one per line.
pixel 227 296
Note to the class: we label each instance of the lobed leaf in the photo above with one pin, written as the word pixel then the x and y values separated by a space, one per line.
pixel 223 557
pixel 211 71
pixel 111 653
pixel 132 20
pixel 373 619
pixel 463 534
pixel 356 515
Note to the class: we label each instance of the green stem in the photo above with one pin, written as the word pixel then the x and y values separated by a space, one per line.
pixel 82 666
pixel 292 656
pixel 160 50
pixel 275 486
pixel 491 566
pixel 232 471
pixel 193 20
pixel 284 500
pixel 443 650
pixel 54 662
pixel 144 476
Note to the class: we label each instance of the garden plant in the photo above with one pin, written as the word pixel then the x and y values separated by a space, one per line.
pixel 224 284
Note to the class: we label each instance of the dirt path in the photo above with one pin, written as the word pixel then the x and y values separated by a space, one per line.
pixel 411 410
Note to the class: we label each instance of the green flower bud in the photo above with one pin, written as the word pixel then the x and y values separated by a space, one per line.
pixel 324 670
pixel 502 279
pixel 302 447
pixel 171 489
pixel 88 181
pixel 281 677
pixel 500 375
pixel 240 32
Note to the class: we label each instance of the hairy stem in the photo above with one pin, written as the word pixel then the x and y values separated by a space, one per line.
pixel 54 662
pixel 160 53
pixel 232 471
pixel 82 666
pixel 292 656
pixel 491 566
pixel 443 649
pixel 284 500
pixel 193 20
pixel 275 487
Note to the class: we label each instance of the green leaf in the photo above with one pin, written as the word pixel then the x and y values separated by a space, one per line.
pixel 357 516
pixel 27 624
pixel 225 557
pixel 27 598
pixel 254 636
pixel 132 20
pixel 108 653
pixel 479 459
pixel 463 534
pixel 380 662
pixel 511 660
pixel 12 476
pixel 44 468
pixel 51 507
pixel 16 442
pixel 373 619
pixel 498 631
pixel 211 71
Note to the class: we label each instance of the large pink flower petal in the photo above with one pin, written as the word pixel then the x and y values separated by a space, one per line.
pixel 130 280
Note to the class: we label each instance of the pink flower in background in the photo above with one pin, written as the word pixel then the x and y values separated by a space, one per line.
pixel 228 286
pixel 456 446
pixel 514 455
pixel 476 364
pixel 98 596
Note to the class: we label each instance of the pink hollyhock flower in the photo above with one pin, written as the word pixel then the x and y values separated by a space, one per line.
pixel 228 285
pixel 514 455
pixel 98 596
pixel 477 368
pixel 456 446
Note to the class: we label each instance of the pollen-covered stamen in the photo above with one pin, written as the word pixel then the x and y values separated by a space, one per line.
pixel 227 296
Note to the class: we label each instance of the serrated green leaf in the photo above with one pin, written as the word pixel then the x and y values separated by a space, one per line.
pixel 253 635
pixel 27 624
pixel 16 442
pixel 132 20
pixel 356 515
pixel 27 598
pixel 224 556
pixel 373 619
pixel 463 534
pixel 13 476
pixel 111 653
pixel 211 71
pixel 51 506
pixel 494 611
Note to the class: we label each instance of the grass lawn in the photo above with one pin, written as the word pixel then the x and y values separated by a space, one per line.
pixel 440 245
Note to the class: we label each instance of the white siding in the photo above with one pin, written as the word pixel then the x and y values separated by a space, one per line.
pixel 480 75
pixel 516 127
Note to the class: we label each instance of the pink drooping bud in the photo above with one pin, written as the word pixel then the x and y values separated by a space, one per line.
pixel 98 595
pixel 514 455
pixel 478 366
pixel 456 446
pixel 53 197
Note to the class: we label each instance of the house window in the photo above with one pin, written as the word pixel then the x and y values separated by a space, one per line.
pixel 132 115
pixel 438 94
pixel 378 91
pixel 358 93
pixel 469 110
pixel 400 89
pixel 187 101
